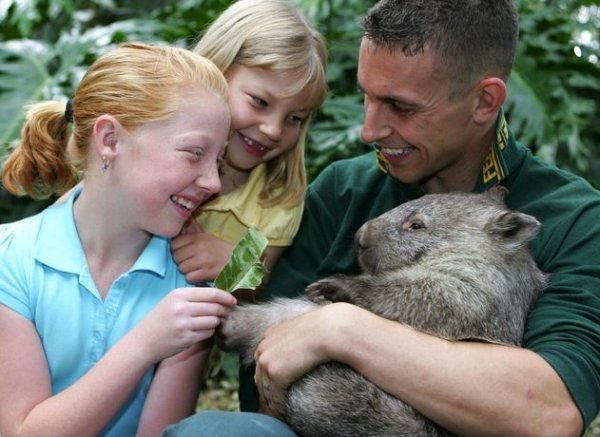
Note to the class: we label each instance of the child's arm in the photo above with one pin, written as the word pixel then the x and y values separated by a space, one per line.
pixel 27 407
pixel 174 391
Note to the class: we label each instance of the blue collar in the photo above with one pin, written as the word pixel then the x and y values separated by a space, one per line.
pixel 58 245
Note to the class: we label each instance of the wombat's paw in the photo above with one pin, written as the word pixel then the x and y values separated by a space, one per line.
pixel 331 289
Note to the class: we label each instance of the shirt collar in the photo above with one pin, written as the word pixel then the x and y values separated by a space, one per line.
pixel 58 245
pixel 495 168
pixel 497 164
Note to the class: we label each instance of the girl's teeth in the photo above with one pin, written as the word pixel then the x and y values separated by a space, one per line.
pixel 187 204
pixel 252 144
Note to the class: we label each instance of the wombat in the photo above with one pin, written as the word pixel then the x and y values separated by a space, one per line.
pixel 453 265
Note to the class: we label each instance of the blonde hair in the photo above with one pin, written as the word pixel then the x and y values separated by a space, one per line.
pixel 273 34
pixel 135 83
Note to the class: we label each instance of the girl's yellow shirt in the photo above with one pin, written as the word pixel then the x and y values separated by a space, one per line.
pixel 230 215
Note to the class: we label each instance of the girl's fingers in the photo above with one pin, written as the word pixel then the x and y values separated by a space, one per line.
pixel 181 241
pixel 204 323
pixel 208 295
pixel 205 309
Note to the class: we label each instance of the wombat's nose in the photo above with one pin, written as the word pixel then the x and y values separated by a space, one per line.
pixel 360 239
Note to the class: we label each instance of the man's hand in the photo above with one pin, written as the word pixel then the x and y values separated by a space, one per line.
pixel 293 348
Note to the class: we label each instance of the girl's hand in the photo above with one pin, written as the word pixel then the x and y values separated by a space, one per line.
pixel 184 317
pixel 200 256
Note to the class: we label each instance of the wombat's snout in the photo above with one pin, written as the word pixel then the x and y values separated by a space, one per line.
pixel 361 241
pixel 367 244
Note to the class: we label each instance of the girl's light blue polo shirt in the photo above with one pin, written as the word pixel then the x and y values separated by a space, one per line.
pixel 44 276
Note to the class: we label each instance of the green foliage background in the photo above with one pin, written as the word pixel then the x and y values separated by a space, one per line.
pixel 554 91
pixel 45 46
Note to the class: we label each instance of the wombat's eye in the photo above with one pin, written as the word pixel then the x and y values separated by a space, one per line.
pixel 415 225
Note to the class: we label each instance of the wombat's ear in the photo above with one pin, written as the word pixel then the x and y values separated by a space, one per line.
pixel 512 229
pixel 498 193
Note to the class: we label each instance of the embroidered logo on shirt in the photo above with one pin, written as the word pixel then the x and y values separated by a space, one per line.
pixel 493 171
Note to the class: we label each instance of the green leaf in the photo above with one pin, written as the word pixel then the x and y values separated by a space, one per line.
pixel 244 269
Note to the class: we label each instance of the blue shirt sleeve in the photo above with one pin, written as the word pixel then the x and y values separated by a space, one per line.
pixel 13 278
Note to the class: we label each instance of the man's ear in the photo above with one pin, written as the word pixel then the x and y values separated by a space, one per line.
pixel 490 97
pixel 105 136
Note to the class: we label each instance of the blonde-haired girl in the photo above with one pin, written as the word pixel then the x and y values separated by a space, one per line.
pixel 275 62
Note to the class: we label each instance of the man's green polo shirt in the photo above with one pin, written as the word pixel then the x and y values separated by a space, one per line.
pixel 564 327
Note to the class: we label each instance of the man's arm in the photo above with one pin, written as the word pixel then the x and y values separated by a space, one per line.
pixel 469 388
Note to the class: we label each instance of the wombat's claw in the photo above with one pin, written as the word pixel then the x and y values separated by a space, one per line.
pixel 328 289
pixel 312 292
pixel 319 300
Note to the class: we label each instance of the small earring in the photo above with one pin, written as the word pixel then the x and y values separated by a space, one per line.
pixel 105 164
